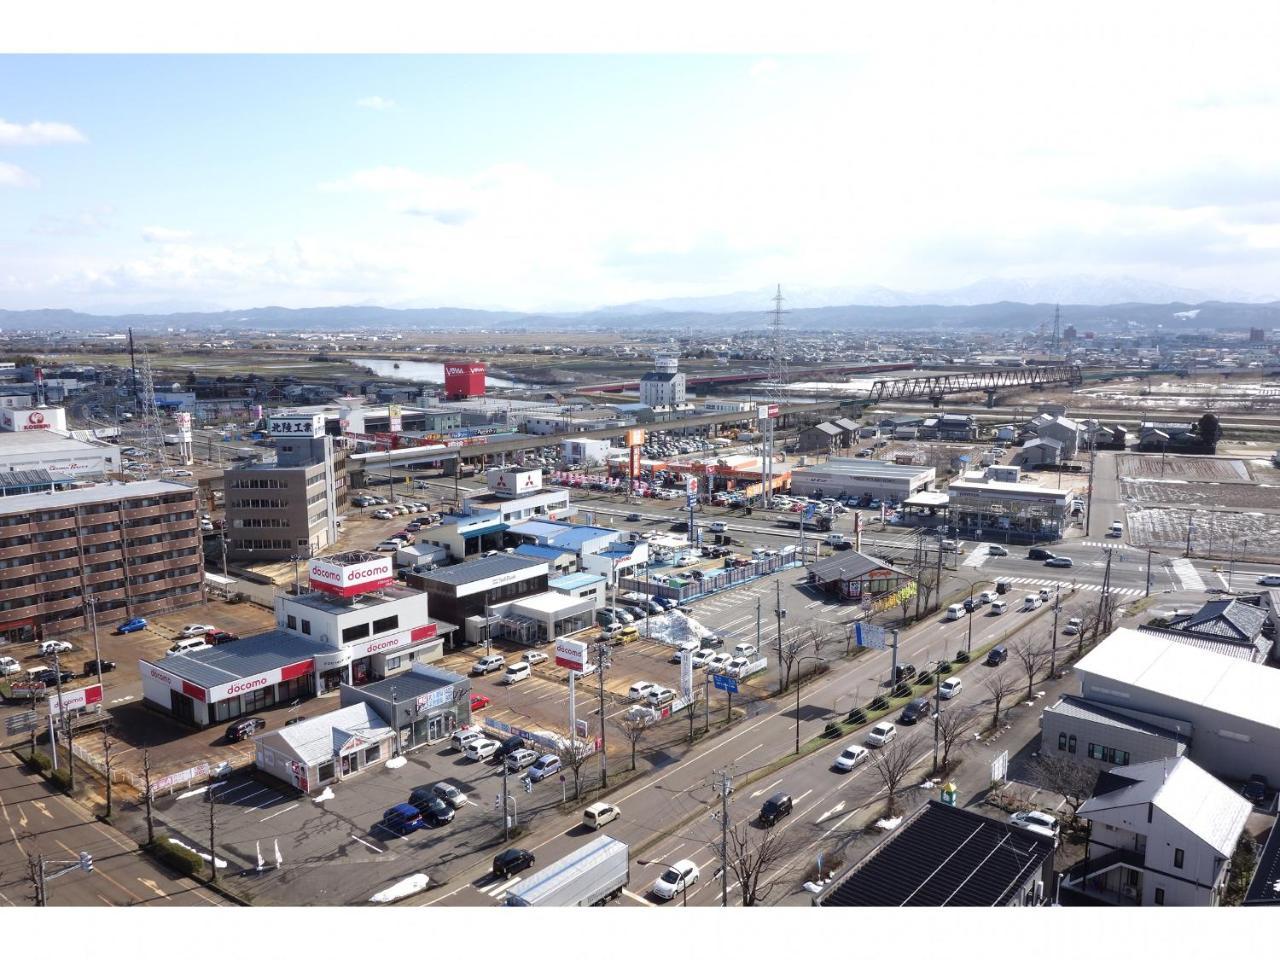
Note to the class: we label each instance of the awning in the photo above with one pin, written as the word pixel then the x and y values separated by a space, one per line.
pixel 481 531
pixel 218 580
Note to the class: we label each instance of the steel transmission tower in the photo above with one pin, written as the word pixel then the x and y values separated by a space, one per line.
pixel 152 438
pixel 1057 328
pixel 776 393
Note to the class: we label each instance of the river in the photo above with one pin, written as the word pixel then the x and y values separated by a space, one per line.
pixel 419 371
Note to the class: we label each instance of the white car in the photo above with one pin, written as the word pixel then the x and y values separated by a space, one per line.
pixel 736 666
pixel 54 646
pixel 1073 626
pixel 1269 580
pixel 987 596
pixel 640 690
pixel 482 748
pixel 383 514
pixel 717 526
pixel 1037 821
pixel 489 664
pixel 744 650
pixel 717 661
pixel 950 687
pixel 701 657
pixel 881 733
pixel 388 546
pixel 533 657
pixel 9 665
pixel 197 630
pixel 850 757
pixel 677 878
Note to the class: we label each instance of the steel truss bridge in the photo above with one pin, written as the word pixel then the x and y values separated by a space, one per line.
pixel 986 381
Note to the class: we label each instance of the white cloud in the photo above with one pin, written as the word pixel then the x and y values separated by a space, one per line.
pixel 37 133
pixel 165 235
pixel 86 223
pixel 12 175
pixel 764 67
pixel 376 103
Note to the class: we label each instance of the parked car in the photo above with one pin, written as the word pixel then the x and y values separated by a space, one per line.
pixel 1255 789
pixel 517 760
pixel 435 811
pixel 402 819
pixel 481 749
pixel 881 733
pixel 462 737
pixel 1036 821
pixel 744 650
pixel 512 861
pixel 91 667
pixel 448 793
pixel 132 625
pixel 676 879
pixel 8 666
pixel 245 728
pixel 49 647
pixel 849 758
pixel 533 657
pixel 189 645
pixel 921 708
pixel 600 814
pixel 489 664
pixel 640 689
pixel 220 636
pixel 478 702
pixel 775 808
pixel 544 766
pixel 196 630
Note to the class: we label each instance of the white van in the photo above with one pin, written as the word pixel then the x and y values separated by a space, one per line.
pixel 998 607
pixel 599 814
pixel 1030 602
pixel 187 645
pixel 1117 529
pixel 955 611
pixel 718 526
pixel 516 672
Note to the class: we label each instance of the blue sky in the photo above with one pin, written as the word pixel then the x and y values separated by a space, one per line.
pixel 559 182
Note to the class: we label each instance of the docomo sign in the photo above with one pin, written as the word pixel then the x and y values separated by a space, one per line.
pixel 347 580
pixel 769 412
pixel 76 699
pixel 571 654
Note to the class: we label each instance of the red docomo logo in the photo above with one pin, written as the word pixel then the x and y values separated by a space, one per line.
pixel 246 686
pixel 377 571
pixel 382 645
pixel 162 677
pixel 324 573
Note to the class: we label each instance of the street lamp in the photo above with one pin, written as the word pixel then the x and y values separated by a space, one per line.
pixel 684 887
pixel 973 585
pixel 798 675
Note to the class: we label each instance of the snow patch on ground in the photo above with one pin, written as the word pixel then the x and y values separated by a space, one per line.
pixel 325 794
pixel 203 856
pixel 194 793
pixel 395 763
pixel 890 824
pixel 675 628
pixel 405 888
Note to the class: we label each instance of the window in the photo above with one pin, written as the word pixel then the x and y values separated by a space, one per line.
pixel 386 623
pixel 372 753
pixel 1062 741
pixel 357 632
pixel 1177 857
pixel 1071 744
pixel 291 622
pixel 1108 754
pixel 393 663
pixel 325 772
pixel 306 627
pixel 1159 896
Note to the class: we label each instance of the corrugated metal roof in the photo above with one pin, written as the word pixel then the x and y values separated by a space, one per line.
pixel 1083 709
pixel 319 739
pixel 575 581
pixel 849 565
pixel 242 658
pixel 1183 672
pixel 98 493
pixel 473 570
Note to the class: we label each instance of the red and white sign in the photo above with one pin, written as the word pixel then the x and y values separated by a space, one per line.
pixel 514 482
pixel 571 654
pixel 351 579
pixel 392 643
pixel 75 699
pixel 225 691
pixel 19 421
pixel 691 486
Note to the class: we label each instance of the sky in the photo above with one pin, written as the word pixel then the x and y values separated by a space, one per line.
pixel 920 156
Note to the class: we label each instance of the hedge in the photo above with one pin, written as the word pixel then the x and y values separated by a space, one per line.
pixel 36 761
pixel 176 857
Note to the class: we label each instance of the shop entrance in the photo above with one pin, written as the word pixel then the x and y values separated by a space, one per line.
pixel 361 671
pixel 436 728
pixel 183 707
pixel 331 680
pixel 350 764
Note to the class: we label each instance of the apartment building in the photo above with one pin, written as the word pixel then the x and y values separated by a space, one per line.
pixel 134 547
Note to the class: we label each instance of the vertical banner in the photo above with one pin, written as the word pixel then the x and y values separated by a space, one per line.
pixel 686 675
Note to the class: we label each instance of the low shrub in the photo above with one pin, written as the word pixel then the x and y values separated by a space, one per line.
pixel 62 777
pixel 924 679
pixel 961 657
pixel 879 703
pixel 944 668
pixel 176 857
pixel 832 730
pixel 36 761
pixel 857 715
pixel 903 689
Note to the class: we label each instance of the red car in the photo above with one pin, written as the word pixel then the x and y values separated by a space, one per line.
pixel 479 701
pixel 216 637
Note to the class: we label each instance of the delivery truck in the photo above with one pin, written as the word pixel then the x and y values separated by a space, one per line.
pixel 592 874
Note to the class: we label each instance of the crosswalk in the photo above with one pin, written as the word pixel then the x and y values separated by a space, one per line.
pixel 1186 573
pixel 1090 587
pixel 1112 544
pixel 497 887
pixel 976 558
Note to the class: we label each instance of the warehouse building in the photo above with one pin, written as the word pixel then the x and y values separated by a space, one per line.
pixel 853 477
pixel 57 453
pixel 1226 708
pixel 1014 512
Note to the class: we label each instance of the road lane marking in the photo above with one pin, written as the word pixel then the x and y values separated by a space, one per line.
pixel 636 897
pixel 367 844
pixel 766 789
pixel 748 753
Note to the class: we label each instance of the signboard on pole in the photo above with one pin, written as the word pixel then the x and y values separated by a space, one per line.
pixel 686 674
pixel 869 635
pixel 1000 767
pixel 571 654
pixel 394 417
pixel 75 699
pixel 724 682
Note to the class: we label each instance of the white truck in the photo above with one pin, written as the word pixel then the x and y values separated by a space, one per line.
pixel 595 872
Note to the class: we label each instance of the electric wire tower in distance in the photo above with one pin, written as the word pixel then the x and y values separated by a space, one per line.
pixel 776 393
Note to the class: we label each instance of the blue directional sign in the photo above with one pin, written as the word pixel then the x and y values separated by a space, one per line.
pixel 727 684
pixel 870 635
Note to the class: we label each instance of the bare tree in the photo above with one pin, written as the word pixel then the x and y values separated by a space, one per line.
pixel 1059 773
pixel 751 854
pixel 1000 685
pixel 633 730
pixel 1033 656
pixel 953 726
pixel 573 754
pixel 790 648
pixel 35 876
pixel 107 744
pixel 146 796
pixel 892 763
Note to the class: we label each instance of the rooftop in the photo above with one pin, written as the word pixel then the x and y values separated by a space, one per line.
pixel 97 493
pixel 1185 792
pixel 320 738
pixel 1227 618
pixel 575 581
pixel 414 682
pixel 877 469
pixel 319 600
pixel 1183 672
pixel 551 602
pixel 48 442
pixel 484 567
pixel 943 856
pixel 246 657
pixel 850 564
pixel 1001 486
pixel 1087 710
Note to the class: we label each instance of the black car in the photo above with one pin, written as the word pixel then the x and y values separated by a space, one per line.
pixel 435 811
pixel 631 518
pixel 244 729
pixel 775 808
pixel 715 640
pixel 905 672
pixel 1255 791
pixel 50 677
pixel 1039 553
pixel 638 612
pixel 917 709
pixel 968 604
pixel 219 636
pixel 91 666
pixel 509 746
pixel 512 861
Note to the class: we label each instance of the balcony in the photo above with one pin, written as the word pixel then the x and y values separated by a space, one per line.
pixel 52 566
pixel 139 532
pixel 58 523
pixel 105 576
pixel 94 539
pixel 17 530
pixel 68 603
pixel 17 593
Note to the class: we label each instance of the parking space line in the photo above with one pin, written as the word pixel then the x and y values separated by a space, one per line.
pixel 636 897
pixel 367 844
pixel 278 812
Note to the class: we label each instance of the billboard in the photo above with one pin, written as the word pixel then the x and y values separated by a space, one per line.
pixel 297 425
pixel 515 483
pixel 20 421
pixel 571 654
pixel 75 699
pixel 634 438
pixel 462 380
pixel 348 580
pixel 395 416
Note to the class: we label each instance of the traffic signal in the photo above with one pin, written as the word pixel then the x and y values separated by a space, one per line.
pixel 86 862
pixel 528 786
pixel 497 800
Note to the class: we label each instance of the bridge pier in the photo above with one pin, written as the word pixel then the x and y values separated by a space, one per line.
pixel 991 399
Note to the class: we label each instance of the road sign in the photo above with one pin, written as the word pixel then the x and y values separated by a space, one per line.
pixel 1000 767
pixel 869 635
pixel 722 682
pixel 810 511
pixel 20 723
pixel 582 728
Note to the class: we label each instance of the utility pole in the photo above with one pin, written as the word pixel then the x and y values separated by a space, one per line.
pixel 67 730
pixel 937 711
pixel 602 650
pixel 1088 501
pixel 937 586
pixel 1053 641
pixel 1103 602
pixel 893 668
pixel 1148 593
pixel 780 613
pixel 92 602
pixel 726 787
pixel 213 852
pixel 1191 519
pixel 506 823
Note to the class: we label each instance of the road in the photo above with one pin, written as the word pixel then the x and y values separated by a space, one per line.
pixel 39 820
